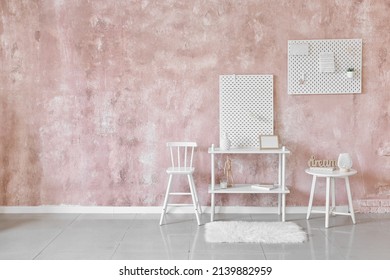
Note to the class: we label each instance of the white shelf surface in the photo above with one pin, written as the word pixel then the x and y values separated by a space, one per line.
pixel 246 188
pixel 248 150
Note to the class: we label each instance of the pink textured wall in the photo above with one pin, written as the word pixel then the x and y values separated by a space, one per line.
pixel 92 90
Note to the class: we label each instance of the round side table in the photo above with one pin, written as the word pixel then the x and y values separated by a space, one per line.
pixel 330 190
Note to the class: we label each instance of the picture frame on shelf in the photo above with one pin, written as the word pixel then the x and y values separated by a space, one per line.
pixel 269 142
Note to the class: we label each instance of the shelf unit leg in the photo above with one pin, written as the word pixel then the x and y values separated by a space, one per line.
pixel 212 207
pixel 282 175
pixel 212 184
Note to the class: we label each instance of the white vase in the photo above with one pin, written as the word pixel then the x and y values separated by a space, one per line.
pixel 344 162
pixel 225 142
pixel 349 74
pixel 223 183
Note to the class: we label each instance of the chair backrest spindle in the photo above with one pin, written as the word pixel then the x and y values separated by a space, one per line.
pixel 185 156
pixel 182 153
pixel 172 158
pixel 192 155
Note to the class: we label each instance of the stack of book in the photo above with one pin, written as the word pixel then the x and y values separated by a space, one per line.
pixel 264 187
pixel 324 169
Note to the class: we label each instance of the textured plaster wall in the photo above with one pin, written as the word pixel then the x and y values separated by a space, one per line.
pixel 92 90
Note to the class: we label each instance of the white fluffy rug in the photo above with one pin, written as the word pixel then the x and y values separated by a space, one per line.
pixel 255 232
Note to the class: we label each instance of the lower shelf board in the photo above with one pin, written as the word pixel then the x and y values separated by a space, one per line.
pixel 247 188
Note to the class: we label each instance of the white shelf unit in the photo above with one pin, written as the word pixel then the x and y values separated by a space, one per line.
pixel 280 189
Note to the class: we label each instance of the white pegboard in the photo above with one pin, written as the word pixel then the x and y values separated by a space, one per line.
pixel 246 108
pixel 306 75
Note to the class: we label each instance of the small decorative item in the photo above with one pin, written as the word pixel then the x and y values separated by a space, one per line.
pixel 227 170
pixel 225 141
pixel 344 162
pixel 302 79
pixel 223 182
pixel 321 164
pixel 350 72
pixel 326 164
pixel 269 142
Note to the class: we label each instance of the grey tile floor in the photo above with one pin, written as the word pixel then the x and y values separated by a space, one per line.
pixel 139 236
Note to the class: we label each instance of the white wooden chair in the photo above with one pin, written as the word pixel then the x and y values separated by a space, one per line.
pixel 182 154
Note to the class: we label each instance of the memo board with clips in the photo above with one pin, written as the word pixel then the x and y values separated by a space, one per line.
pixel 320 66
pixel 246 108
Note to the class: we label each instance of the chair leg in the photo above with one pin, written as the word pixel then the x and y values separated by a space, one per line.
pixel 166 199
pixel 192 189
pixel 196 196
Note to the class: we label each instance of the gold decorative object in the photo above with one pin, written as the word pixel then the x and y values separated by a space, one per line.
pixel 227 171
pixel 324 163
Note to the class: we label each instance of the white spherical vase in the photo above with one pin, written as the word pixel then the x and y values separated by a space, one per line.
pixel 225 142
pixel 344 162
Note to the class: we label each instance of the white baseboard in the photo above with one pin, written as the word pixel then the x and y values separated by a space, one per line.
pixel 74 209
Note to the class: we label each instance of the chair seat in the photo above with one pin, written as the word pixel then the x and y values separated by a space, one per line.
pixel 180 170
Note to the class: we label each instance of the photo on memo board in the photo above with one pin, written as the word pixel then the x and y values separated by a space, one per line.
pixel 269 142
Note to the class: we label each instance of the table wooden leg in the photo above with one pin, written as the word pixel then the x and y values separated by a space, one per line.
pixel 350 205
pixel 327 202
pixel 332 190
pixel 313 187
